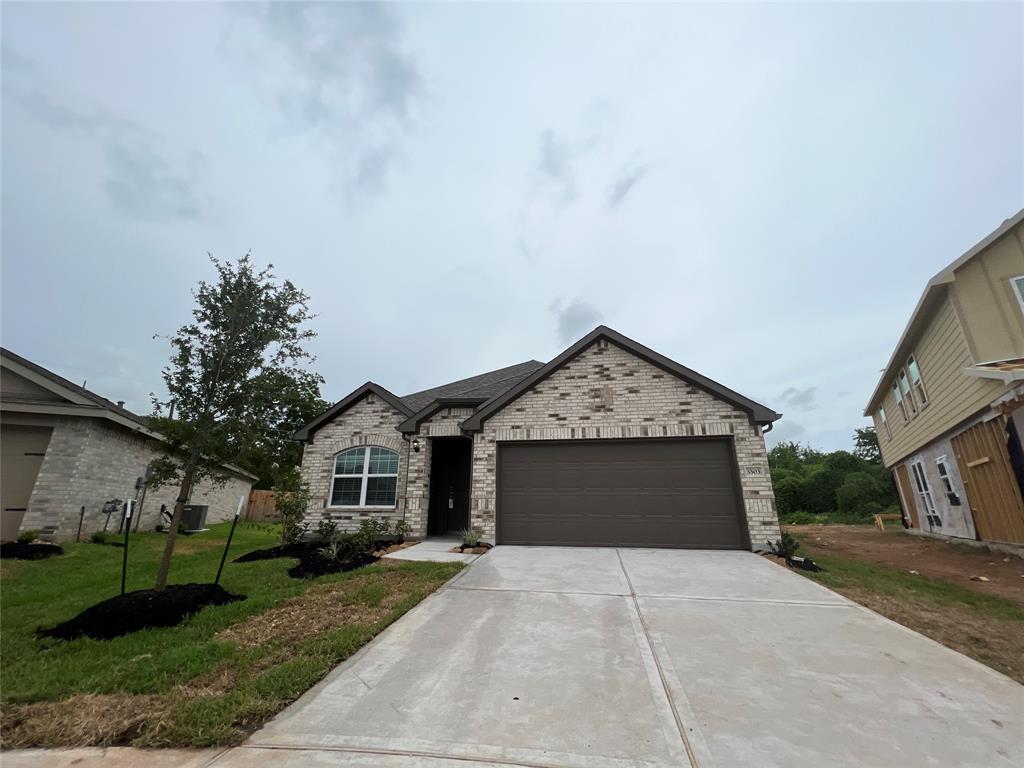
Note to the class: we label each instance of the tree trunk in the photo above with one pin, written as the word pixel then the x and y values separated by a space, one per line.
pixel 179 508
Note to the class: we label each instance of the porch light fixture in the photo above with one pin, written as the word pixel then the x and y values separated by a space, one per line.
pixel 416 445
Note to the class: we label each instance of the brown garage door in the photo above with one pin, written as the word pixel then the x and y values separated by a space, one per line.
pixel 628 493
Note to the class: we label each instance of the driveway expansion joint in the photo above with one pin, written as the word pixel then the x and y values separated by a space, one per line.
pixel 402 753
pixel 657 663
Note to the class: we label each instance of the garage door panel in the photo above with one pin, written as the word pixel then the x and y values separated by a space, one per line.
pixel 662 493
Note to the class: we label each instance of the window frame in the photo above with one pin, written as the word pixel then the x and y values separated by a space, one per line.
pixel 917 387
pixel 1018 290
pixel 899 401
pixel 946 480
pixel 885 421
pixel 364 477
pixel 924 492
pixel 902 377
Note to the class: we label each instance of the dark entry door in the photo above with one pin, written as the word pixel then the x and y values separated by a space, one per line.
pixel 449 485
pixel 632 493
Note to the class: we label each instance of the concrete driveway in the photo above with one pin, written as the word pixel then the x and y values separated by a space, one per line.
pixel 629 658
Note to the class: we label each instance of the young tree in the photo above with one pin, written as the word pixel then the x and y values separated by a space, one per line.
pixel 224 377
pixel 866 445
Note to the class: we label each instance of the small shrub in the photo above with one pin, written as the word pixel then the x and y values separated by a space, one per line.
pixel 291 505
pixel 402 529
pixel 326 530
pixel 331 551
pixel 470 538
pixel 786 546
pixel 101 537
pixel 27 537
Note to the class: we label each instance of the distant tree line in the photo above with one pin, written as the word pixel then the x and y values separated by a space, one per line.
pixel 811 482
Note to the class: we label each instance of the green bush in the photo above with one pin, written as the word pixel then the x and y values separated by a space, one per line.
pixel 102 537
pixel 860 494
pixel 326 530
pixel 841 486
pixel 291 505
pixel 27 537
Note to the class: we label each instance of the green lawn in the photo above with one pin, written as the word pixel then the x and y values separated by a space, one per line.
pixel 189 686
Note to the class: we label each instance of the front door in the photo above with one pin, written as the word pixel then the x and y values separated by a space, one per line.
pixel 449 485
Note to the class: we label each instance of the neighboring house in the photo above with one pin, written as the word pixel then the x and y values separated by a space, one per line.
pixel 949 408
pixel 65 448
pixel 610 443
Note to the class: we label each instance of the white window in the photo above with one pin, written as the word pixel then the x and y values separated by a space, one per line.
pixel 924 493
pixel 1017 283
pixel 899 401
pixel 885 421
pixel 947 480
pixel 908 395
pixel 916 382
pixel 365 477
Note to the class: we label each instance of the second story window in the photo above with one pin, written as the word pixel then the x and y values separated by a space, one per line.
pixel 908 395
pixel 1018 288
pixel 885 421
pixel 899 401
pixel 916 382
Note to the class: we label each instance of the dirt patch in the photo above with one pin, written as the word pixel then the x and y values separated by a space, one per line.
pixel 931 558
pixel 140 609
pixel 386 549
pixel 87 720
pixel 37 550
pixel 318 610
pixel 996 643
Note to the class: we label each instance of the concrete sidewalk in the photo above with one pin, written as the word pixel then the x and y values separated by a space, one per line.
pixel 434 549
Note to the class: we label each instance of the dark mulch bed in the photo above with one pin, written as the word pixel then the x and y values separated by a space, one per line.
pixel 477 549
pixel 140 609
pixel 311 562
pixel 17 550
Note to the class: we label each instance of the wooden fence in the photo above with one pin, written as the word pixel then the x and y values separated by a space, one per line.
pixel 260 507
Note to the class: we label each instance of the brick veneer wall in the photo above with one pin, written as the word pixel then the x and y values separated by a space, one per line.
pixel 88 463
pixel 370 421
pixel 607 392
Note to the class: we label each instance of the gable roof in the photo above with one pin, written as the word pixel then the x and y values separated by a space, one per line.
pixel 484 385
pixel 929 300
pixel 412 424
pixel 80 401
pixel 349 400
pixel 760 413
pixel 74 393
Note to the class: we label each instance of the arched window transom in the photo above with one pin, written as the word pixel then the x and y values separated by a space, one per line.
pixel 365 477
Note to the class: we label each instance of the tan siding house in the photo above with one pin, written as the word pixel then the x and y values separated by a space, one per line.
pixel 952 395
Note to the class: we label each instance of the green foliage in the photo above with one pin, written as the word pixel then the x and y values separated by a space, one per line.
pixel 470 538
pixel 27 537
pixel 326 530
pixel 786 546
pixel 860 493
pixel 810 483
pixel 294 400
pixel 225 378
pixel 402 529
pixel 291 500
pixel 866 445
pixel 102 537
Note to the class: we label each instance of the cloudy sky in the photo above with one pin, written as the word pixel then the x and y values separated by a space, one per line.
pixel 757 191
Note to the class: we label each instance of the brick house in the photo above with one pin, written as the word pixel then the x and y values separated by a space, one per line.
pixel 610 443
pixel 65 447
pixel 949 406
